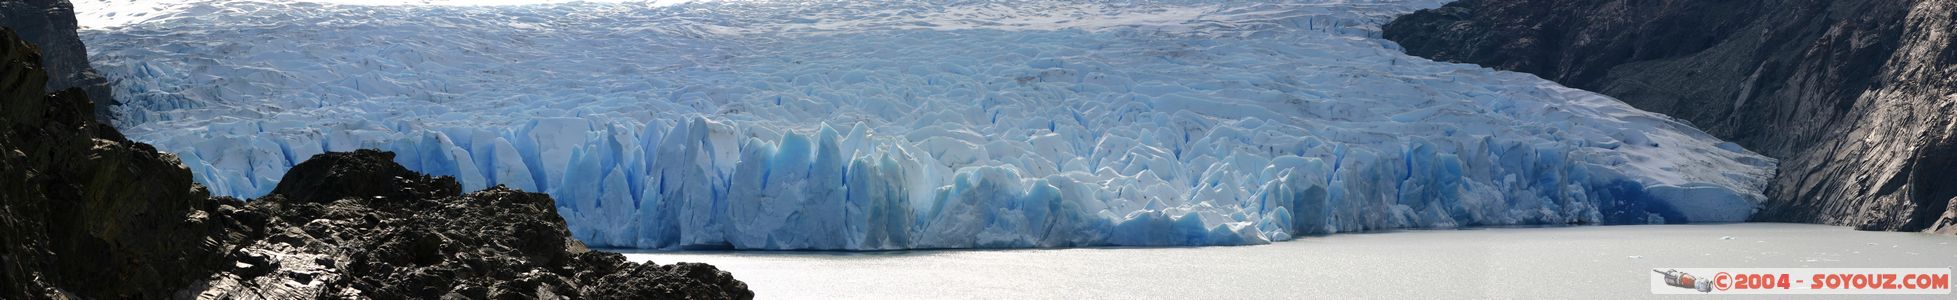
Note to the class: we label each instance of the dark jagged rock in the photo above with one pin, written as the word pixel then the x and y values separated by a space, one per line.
pixel 331 177
pixel 86 213
pixel 1855 97
pixel 388 233
pixel 83 211
pixel 51 25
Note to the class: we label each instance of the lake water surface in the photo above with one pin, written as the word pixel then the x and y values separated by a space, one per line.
pixel 1533 263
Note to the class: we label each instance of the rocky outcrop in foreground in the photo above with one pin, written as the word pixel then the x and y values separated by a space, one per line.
pixel 86 213
pixel 359 225
pixel 1856 98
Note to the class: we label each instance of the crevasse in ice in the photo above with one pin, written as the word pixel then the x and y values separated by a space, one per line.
pixel 897 125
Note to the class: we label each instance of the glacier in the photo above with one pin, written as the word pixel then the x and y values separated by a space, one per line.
pixel 874 125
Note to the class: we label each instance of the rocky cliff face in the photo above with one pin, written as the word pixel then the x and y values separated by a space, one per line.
pixel 86 213
pixel 51 25
pixel 1855 97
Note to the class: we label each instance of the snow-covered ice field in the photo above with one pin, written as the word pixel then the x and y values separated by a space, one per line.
pixel 1591 262
pixel 908 124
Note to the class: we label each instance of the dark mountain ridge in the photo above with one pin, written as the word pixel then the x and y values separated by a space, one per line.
pixel 51 25
pixel 1854 97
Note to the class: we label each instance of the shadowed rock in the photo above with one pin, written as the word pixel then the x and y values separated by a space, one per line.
pixel 359 174
pixel 388 233
pixel 83 211
pixel 51 25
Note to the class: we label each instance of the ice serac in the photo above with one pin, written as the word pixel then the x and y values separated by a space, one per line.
pixel 901 125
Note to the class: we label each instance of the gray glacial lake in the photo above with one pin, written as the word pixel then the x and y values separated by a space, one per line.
pixel 1535 263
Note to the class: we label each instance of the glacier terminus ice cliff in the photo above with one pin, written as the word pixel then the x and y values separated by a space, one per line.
pixel 867 125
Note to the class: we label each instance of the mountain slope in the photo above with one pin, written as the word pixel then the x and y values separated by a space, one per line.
pixel 51 25
pixel 1854 97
